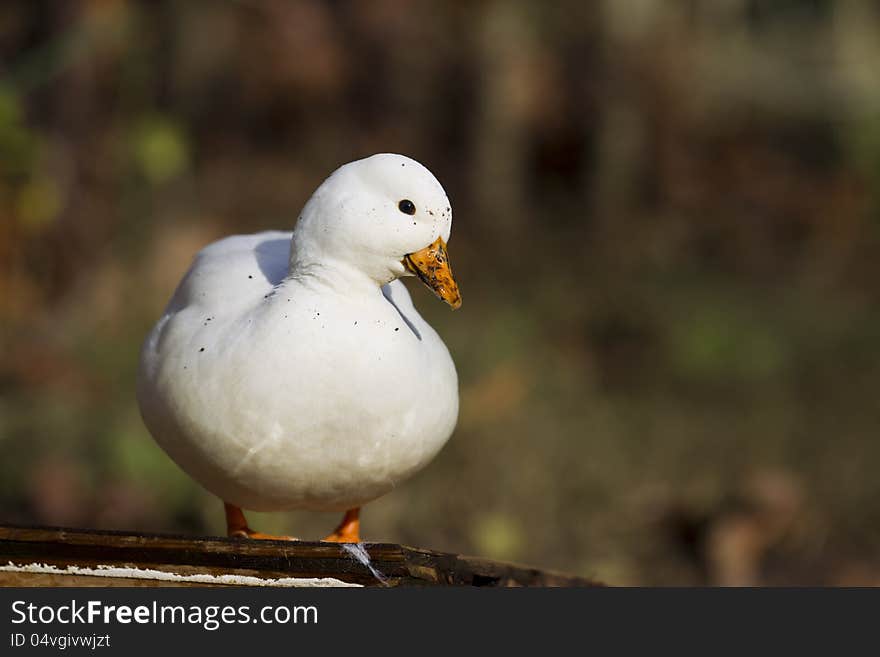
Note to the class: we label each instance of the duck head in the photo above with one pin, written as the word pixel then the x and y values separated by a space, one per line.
pixel 386 216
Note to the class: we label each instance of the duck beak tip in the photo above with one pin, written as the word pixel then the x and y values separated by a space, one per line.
pixel 431 265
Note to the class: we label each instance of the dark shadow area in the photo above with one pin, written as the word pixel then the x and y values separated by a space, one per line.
pixel 273 257
pixel 388 293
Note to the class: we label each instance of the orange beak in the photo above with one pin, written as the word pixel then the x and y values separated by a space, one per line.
pixel 431 265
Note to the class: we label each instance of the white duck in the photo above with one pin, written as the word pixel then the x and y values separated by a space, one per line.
pixel 291 370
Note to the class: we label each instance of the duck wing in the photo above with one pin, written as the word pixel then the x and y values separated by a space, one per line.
pixel 233 272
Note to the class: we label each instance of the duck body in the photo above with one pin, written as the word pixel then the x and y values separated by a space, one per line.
pixel 292 393
pixel 284 381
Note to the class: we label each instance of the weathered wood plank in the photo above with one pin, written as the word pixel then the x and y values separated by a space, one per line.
pixel 388 564
pixel 62 580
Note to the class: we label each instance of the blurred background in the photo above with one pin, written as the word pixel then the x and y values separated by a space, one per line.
pixel 667 221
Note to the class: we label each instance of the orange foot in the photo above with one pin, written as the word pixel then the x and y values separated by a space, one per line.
pixel 237 527
pixel 348 530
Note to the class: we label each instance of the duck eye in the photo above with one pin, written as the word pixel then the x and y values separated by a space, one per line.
pixel 406 206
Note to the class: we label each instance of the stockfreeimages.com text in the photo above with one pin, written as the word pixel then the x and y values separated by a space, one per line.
pixel 210 617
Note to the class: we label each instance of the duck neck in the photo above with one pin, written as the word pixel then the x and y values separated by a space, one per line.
pixel 332 274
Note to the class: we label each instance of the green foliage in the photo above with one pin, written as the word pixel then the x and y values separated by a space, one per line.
pixel 160 149
pixel 17 143
pixel 714 343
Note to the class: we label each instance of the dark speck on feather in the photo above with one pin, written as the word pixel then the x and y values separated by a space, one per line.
pixel 201 350
pixel 250 276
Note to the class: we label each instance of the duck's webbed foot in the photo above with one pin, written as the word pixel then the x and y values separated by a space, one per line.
pixel 237 527
pixel 348 530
